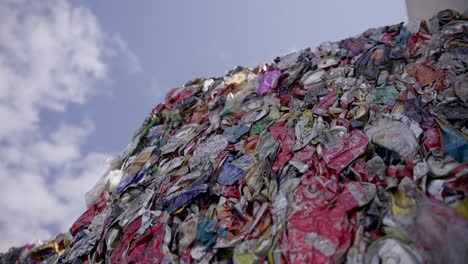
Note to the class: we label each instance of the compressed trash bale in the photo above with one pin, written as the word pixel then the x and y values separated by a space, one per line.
pixel 354 152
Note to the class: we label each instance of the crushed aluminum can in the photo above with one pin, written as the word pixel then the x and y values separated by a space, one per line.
pixel 268 81
pixel 341 152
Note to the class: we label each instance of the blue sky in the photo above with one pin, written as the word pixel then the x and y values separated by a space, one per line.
pixel 78 77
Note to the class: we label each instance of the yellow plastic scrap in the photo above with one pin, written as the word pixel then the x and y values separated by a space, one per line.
pixel 256 255
pixel 237 78
pixel 461 207
pixel 240 258
pixel 45 249
pixel 400 202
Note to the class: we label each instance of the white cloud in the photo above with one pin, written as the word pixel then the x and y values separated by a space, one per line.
pixel 134 65
pixel 51 55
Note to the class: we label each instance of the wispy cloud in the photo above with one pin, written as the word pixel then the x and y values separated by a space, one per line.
pixel 52 54
pixel 121 47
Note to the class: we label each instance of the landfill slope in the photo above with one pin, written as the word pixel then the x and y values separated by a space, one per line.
pixel 355 152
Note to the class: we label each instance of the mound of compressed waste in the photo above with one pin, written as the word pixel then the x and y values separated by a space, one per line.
pixel 354 152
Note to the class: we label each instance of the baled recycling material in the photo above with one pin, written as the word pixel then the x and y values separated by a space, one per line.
pixel 355 152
